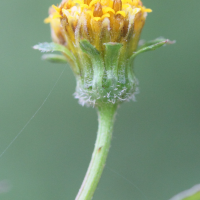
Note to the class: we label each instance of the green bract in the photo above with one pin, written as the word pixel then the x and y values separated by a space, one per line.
pixel 106 77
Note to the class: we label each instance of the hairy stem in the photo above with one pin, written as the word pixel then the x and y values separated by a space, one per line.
pixel 106 114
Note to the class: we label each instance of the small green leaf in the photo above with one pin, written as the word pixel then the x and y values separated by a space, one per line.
pixel 89 48
pixel 111 59
pixel 152 45
pixel 54 58
pixel 191 194
pixel 112 53
pixel 51 47
pixel 151 42
pixel 96 60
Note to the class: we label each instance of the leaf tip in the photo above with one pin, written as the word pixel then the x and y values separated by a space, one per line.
pixel 170 41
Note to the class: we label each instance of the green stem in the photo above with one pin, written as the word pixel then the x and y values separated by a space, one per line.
pixel 106 116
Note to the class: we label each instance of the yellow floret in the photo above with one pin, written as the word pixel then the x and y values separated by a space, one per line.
pixel 99 21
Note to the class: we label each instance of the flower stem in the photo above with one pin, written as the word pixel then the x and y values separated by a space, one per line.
pixel 106 114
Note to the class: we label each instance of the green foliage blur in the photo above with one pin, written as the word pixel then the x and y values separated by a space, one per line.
pixel 155 150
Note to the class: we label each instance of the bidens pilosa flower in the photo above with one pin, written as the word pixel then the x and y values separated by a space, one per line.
pixel 100 38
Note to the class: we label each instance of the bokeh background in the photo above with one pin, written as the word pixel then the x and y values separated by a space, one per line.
pixel 155 150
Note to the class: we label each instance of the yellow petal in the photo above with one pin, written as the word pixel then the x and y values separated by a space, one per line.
pixel 84 6
pixel 97 18
pixel 76 13
pixel 90 13
pixel 101 18
pixel 56 16
pixel 122 13
pixel 106 15
pixel 78 2
pixel 107 3
pixel 108 9
pixel 47 20
pixel 148 10
pixel 124 6
pixel 66 12
pixel 56 8
pixel 93 2
pixel 136 10
pixel 127 1
pixel 136 2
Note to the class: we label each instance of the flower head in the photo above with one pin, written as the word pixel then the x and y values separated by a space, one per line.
pixel 102 35
pixel 98 21
pixel 99 39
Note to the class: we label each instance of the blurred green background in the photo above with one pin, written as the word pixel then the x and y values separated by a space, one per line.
pixel 155 148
